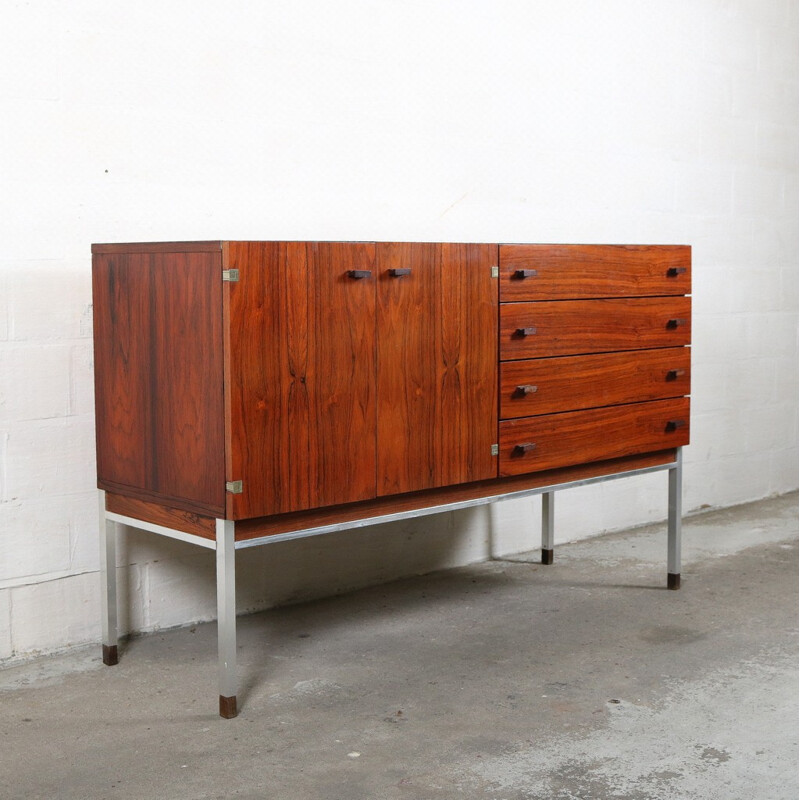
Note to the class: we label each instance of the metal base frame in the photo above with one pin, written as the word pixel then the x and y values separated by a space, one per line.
pixel 225 547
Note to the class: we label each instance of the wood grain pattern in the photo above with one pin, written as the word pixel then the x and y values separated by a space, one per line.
pixel 408 389
pixel 585 271
pixel 158 247
pixel 577 437
pixel 120 293
pixel 186 374
pixel 301 366
pixel 437 406
pixel 569 383
pixel 159 514
pixel 285 523
pixel 158 374
pixel 468 303
pixel 573 327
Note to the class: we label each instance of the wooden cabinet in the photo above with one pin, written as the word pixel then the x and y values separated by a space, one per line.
pixel 249 392
pixel 251 379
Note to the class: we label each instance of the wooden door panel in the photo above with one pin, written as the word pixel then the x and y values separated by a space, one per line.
pixel 558 271
pixel 301 406
pixel 437 365
pixel 572 327
pixel 186 363
pixel 409 400
pixel 342 351
pixel 468 363
pixel 548 385
pixel 576 437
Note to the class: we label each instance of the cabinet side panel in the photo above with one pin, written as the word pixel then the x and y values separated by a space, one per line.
pixel 468 299
pixel 186 377
pixel 120 293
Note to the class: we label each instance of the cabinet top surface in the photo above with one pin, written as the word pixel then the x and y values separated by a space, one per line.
pixel 217 245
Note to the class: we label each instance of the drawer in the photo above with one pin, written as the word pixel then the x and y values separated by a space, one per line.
pixel 569 383
pixel 572 327
pixel 563 271
pixel 532 444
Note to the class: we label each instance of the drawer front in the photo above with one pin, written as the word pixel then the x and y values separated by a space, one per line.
pixel 549 385
pixel 572 327
pixel 552 272
pixel 533 444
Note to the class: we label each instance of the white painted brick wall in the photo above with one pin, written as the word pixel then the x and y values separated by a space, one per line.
pixel 519 120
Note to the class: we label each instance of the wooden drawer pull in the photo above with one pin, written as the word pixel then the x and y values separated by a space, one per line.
pixel 399 272
pixel 521 449
pixel 519 274
pixel 674 374
pixel 675 323
pixel 674 424
pixel 521 391
pixel 673 272
pixel 359 273
pixel 525 332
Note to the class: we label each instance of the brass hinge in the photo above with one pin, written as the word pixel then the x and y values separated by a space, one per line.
pixel 234 487
pixel 231 275
pixel 495 449
pixel 495 272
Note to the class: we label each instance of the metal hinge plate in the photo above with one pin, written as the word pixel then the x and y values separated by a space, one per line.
pixel 234 487
pixel 495 449
pixel 495 272
pixel 231 275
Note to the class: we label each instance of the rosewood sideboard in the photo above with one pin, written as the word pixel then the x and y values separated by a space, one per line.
pixel 253 392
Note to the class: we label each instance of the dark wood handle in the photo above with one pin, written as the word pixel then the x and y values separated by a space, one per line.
pixel 359 273
pixel 526 389
pixel 525 332
pixel 674 424
pixel 519 274
pixel 674 374
pixel 399 272
pixel 521 449
pixel 675 323
pixel 673 272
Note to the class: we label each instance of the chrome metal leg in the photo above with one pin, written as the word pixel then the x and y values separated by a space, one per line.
pixel 674 523
pixel 548 526
pixel 108 581
pixel 226 617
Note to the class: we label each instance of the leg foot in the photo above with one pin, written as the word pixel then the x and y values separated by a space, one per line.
pixel 673 580
pixel 548 527
pixel 110 655
pixel 227 707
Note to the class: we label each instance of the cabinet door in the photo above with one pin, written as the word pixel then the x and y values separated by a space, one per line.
pixel 437 365
pixel 300 375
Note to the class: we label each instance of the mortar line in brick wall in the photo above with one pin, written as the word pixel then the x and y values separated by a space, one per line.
pixel 45 577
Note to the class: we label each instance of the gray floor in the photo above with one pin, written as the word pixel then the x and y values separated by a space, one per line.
pixel 505 680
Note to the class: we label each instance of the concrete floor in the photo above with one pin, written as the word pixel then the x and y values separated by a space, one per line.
pixel 504 680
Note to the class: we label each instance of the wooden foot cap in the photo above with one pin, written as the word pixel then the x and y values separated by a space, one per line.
pixel 547 556
pixel 110 656
pixel 227 707
pixel 673 580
